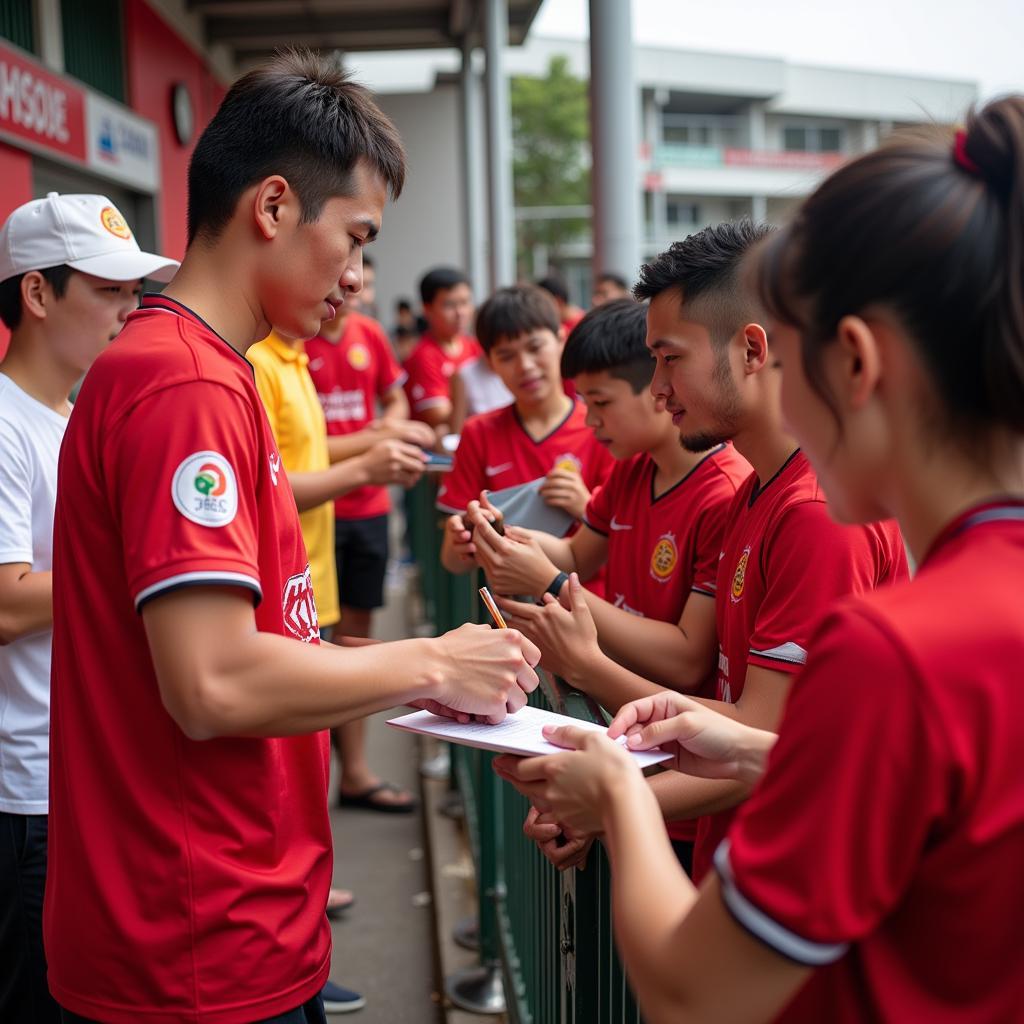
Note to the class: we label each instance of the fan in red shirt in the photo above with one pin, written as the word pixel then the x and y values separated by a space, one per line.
pixel 717 377
pixel 542 434
pixel 656 526
pixel 875 872
pixel 448 310
pixel 190 848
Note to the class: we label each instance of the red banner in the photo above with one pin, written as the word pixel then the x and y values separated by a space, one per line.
pixel 39 107
pixel 782 160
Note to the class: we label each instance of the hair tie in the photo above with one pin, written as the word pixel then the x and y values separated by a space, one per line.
pixel 960 154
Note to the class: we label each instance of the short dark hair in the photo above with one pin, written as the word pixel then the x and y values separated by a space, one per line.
pixel 612 338
pixel 616 279
pixel 510 312
pixel 10 292
pixel 439 279
pixel 298 116
pixel 928 227
pixel 554 284
pixel 704 270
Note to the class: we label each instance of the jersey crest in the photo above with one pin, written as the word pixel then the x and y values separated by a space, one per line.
pixel 664 557
pixel 568 461
pixel 358 357
pixel 739 578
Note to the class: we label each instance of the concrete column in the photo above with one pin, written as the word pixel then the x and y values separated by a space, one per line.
pixel 758 209
pixel 474 231
pixel 50 34
pixel 614 103
pixel 499 148
pixel 756 136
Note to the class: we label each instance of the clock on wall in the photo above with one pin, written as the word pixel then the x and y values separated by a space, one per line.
pixel 182 113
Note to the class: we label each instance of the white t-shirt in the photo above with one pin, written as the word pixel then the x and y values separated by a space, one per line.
pixel 30 437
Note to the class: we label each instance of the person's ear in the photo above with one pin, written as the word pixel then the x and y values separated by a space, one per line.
pixel 272 205
pixel 755 348
pixel 859 366
pixel 36 294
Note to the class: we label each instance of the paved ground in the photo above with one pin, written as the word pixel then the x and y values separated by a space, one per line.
pixel 385 947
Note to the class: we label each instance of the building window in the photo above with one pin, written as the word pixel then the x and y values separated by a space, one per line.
pixel 681 211
pixel 811 139
pixel 16 23
pixel 93 44
pixel 701 130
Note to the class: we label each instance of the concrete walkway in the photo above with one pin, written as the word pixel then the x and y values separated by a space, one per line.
pixel 385 947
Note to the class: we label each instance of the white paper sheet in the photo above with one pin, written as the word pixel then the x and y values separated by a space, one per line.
pixel 517 734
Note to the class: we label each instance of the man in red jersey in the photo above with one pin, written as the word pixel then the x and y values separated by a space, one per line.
pixel 783 558
pixel 656 525
pixel 542 434
pixel 448 309
pixel 353 370
pixel 190 852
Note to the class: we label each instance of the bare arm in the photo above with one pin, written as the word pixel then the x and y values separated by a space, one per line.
pixel 679 655
pixel 386 462
pixel 394 404
pixel 687 957
pixel 220 676
pixel 26 601
pixel 460 403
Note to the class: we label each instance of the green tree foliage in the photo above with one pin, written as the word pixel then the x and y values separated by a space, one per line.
pixel 551 156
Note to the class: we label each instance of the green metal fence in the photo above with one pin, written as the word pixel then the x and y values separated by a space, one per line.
pixel 551 931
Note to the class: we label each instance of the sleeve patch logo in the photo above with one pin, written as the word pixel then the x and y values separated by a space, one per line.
pixel 205 490
pixel 299 607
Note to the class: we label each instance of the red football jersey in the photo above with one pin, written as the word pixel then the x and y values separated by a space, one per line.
pixel 350 375
pixel 430 368
pixel 887 836
pixel 784 561
pixel 187 880
pixel 662 547
pixel 496 452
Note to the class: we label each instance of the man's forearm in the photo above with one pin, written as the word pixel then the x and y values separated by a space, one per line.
pixel 269 685
pixel 347 446
pixel 558 549
pixel 610 684
pixel 316 488
pixel 658 651
pixel 26 604
pixel 685 796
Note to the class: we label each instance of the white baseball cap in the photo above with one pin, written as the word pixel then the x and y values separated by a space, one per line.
pixel 86 232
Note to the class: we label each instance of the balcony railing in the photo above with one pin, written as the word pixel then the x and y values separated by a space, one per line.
pixel 666 156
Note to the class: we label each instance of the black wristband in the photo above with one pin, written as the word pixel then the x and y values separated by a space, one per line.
pixel 554 588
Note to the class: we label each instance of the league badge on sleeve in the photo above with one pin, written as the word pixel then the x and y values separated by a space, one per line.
pixel 205 490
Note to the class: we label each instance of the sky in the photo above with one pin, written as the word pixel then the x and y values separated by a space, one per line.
pixel 977 40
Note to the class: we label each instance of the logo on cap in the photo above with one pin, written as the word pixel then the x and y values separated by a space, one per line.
pixel 204 489
pixel 115 223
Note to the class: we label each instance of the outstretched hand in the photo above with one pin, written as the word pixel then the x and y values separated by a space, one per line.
pixel 567 637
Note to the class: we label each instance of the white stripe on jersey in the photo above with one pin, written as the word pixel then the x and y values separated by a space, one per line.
pixel 231 578
pixel 770 932
pixel 789 651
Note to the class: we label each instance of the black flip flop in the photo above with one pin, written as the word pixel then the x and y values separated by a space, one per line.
pixel 366 802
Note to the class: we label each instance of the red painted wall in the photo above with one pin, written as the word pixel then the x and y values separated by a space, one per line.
pixel 157 58
pixel 16 175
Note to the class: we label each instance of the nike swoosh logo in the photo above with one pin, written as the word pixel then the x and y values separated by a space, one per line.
pixel 620 526
pixel 495 470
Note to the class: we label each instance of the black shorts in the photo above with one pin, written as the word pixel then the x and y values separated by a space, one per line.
pixel 361 555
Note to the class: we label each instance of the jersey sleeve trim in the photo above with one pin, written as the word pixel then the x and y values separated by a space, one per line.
pixel 788 653
pixel 450 509
pixel 429 403
pixel 596 529
pixel 766 929
pixel 192 579
pixel 398 382
pixel 707 589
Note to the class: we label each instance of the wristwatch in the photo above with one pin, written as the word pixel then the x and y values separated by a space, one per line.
pixel 554 588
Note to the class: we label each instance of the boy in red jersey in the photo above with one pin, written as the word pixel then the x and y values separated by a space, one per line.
pixel 190 852
pixel 448 310
pixel 656 525
pixel 542 434
pixel 875 873
pixel 783 558
pixel 353 370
